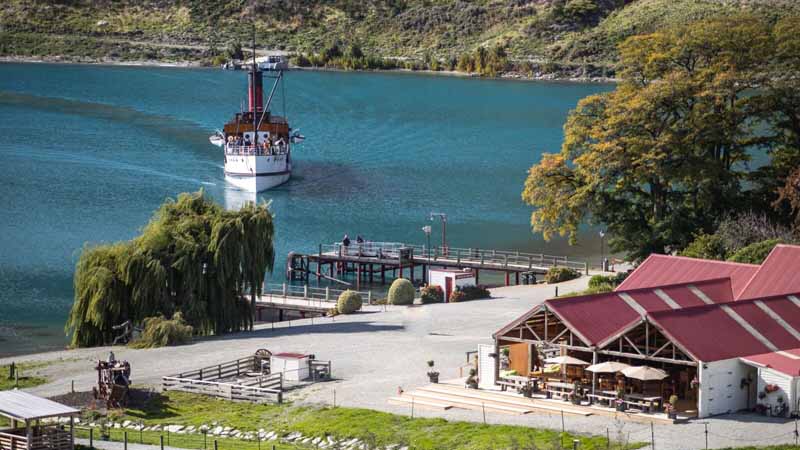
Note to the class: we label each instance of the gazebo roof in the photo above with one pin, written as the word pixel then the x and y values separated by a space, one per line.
pixel 19 405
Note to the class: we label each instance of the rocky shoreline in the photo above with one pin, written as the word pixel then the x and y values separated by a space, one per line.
pixel 510 76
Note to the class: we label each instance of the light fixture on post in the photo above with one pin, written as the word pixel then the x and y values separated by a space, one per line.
pixel 442 216
pixel 602 234
pixel 427 230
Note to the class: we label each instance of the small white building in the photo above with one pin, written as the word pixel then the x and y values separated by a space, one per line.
pixel 450 279
pixel 294 366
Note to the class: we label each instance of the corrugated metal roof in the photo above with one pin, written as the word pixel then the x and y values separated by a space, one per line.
pixel 732 329
pixel 598 317
pixel 778 275
pixel 786 361
pixel 21 405
pixel 660 270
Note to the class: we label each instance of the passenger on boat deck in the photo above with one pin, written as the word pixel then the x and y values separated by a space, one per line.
pixel 346 240
pixel 359 239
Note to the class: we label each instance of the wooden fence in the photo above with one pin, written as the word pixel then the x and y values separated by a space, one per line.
pixel 244 379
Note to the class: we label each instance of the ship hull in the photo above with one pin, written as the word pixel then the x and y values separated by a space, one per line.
pixel 257 173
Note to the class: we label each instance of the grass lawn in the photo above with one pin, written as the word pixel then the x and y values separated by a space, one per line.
pixel 373 427
pixel 26 376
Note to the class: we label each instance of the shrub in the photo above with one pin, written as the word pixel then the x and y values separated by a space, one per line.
pixel 600 280
pixel 739 231
pixel 706 246
pixel 349 302
pixel 474 292
pixel 401 292
pixel 432 294
pixel 457 296
pixel 559 274
pixel 754 253
pixel 159 332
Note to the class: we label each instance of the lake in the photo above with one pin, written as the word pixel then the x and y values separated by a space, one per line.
pixel 92 151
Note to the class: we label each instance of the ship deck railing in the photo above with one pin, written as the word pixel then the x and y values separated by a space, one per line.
pixel 251 150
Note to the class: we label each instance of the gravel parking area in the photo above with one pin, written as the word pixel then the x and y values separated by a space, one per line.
pixel 378 350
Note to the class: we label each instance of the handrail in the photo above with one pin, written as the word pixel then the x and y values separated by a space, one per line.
pixel 391 250
pixel 251 150
pixel 307 292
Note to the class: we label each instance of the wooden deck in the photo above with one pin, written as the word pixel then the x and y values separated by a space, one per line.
pixel 453 394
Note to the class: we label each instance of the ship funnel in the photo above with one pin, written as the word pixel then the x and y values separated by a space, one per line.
pixel 255 90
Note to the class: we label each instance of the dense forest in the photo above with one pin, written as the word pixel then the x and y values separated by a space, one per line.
pixel 480 36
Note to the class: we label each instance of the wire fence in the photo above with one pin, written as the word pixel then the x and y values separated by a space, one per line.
pixel 621 435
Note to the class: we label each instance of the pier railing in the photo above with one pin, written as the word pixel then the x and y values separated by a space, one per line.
pixel 311 293
pixel 502 258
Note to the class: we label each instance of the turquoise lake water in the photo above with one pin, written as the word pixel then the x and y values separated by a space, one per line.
pixel 91 151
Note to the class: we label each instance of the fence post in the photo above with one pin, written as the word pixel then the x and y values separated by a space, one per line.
pixel 125 440
pixel 652 437
pixel 706 433
pixel 91 438
pixel 161 441
pixel 369 297
pixel 563 429
pixel 327 293
pixel 205 439
pixel 305 291
pixel 216 446
pixel 608 439
pixel 283 289
pixel 141 433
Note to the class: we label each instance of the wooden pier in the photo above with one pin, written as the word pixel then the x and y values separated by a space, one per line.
pixel 371 261
pixel 303 301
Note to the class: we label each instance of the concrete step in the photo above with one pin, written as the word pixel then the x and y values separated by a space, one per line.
pixel 505 399
pixel 468 403
pixel 408 400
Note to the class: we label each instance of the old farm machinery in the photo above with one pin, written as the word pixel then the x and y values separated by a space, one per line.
pixel 113 382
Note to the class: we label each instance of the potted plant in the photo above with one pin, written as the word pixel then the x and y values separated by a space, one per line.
pixel 504 360
pixel 433 375
pixel 620 401
pixel 672 407
pixel 472 380
pixel 576 396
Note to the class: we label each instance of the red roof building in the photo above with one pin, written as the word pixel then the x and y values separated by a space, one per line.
pixel 721 320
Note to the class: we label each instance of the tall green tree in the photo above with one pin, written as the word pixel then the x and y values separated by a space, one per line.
pixel 193 257
pixel 665 154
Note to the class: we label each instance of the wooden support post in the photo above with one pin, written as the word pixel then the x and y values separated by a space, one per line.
pixel 411 273
pixel 425 273
pixel 508 278
pixel 358 277
pixel 371 273
pixel 517 276
pixel 477 272
pixel 383 274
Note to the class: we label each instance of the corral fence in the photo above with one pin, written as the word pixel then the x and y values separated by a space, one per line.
pixel 243 379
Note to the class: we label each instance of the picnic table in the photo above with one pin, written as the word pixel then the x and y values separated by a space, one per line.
pixel 518 382
pixel 559 388
pixel 602 396
pixel 647 402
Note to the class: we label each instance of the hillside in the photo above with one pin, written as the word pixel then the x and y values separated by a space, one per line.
pixel 548 33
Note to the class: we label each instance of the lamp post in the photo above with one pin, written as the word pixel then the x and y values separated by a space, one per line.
pixel 602 250
pixel 442 216
pixel 427 229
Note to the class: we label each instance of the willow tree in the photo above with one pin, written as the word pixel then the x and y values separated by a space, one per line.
pixel 193 257
pixel 665 154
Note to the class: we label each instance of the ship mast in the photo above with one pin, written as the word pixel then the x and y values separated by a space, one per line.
pixel 253 87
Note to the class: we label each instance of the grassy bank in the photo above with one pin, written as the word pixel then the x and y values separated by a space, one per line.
pixel 26 376
pixel 373 427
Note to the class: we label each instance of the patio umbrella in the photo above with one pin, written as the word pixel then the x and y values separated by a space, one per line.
pixel 569 360
pixel 607 367
pixel 644 373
